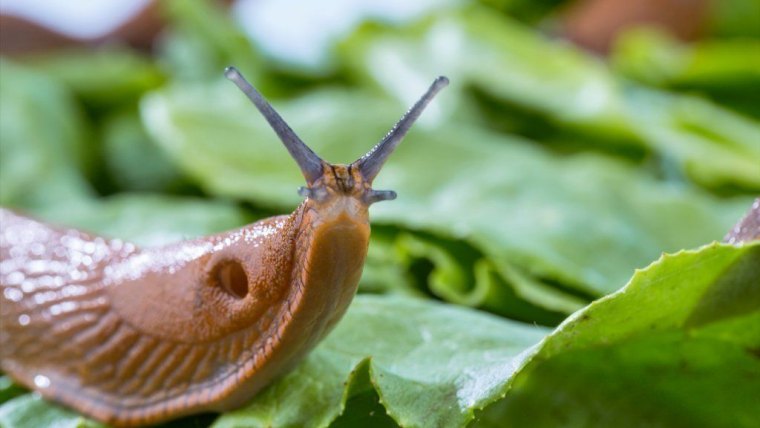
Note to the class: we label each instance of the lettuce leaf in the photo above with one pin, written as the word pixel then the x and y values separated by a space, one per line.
pixel 430 364
pixel 43 140
pixel 568 89
pixel 678 346
pixel 102 77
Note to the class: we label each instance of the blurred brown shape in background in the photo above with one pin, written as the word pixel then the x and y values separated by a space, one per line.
pixel 594 24
pixel 19 36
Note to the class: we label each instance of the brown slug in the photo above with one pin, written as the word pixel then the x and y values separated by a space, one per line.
pixel 133 336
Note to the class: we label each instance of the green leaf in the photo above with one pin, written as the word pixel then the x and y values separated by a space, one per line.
pixel 656 58
pixel 498 56
pixel 431 365
pixel 715 146
pixel 42 141
pixel 460 274
pixel 364 410
pixel 735 18
pixel 678 346
pixel 567 88
pixel 8 389
pixel 383 272
pixel 728 71
pixel 133 161
pixel 31 410
pixel 101 77
pixel 582 221
pixel 202 39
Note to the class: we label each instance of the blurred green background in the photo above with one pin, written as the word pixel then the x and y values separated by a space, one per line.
pixel 576 142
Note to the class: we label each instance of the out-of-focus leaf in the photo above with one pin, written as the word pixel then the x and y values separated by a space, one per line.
pixel 735 18
pixel 572 90
pixel 416 265
pixel 728 71
pixel 30 410
pixel 8 389
pixel 714 144
pixel 134 162
pixel 148 219
pixel 678 346
pixel 202 40
pixel 582 221
pixel 383 272
pixel 531 11
pixel 465 277
pixel 656 58
pixel 42 141
pixel 102 77
pixel 499 56
pixel 431 364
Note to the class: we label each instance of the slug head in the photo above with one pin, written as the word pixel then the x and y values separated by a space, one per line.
pixel 325 182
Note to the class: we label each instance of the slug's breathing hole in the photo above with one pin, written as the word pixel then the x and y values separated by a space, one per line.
pixel 230 276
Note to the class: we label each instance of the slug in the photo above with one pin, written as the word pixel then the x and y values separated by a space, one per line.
pixel 133 336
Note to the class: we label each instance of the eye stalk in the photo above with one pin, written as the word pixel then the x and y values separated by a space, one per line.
pixel 308 161
pixel 314 169
pixel 371 163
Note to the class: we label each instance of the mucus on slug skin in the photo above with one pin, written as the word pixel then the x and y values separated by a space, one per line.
pixel 134 336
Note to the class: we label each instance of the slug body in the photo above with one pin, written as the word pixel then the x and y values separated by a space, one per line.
pixel 133 336
pixel 130 335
